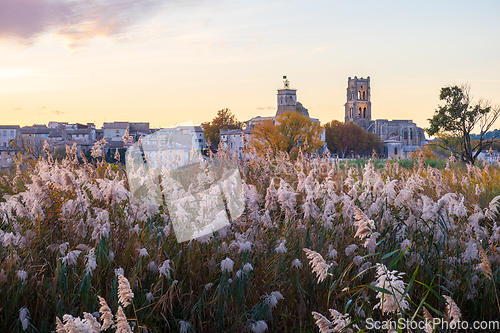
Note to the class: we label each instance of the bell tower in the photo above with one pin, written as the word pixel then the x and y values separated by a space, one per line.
pixel 287 98
pixel 358 107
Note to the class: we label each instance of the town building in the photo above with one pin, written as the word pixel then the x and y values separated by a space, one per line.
pixel 115 131
pixel 10 136
pixel 10 144
pixel 57 134
pixel 400 137
pixel 235 139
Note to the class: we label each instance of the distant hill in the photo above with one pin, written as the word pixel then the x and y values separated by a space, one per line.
pixel 489 135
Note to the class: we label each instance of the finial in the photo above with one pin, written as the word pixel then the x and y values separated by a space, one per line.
pixel 286 82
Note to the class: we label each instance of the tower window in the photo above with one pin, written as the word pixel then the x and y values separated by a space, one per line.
pixel 364 95
pixel 405 135
pixel 395 150
pixel 364 112
pixel 411 133
pixel 359 113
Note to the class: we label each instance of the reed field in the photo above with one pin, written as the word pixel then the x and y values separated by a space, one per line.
pixel 322 246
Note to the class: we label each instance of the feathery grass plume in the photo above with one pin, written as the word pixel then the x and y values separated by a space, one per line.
pixel 117 155
pixel 485 265
pixel 69 324
pixel 273 299
pixel 185 326
pixel 428 321
pixel 258 327
pixel 227 265
pixel 339 320
pixel 492 210
pixel 324 325
pixel 392 281
pixel 281 248
pixel 363 223
pixel 91 263
pixel 452 310
pixel 350 249
pixel 271 196
pixel 318 264
pixel 143 252
pixel 59 326
pixel 22 275
pixel 106 314
pixel 247 267
pixel 125 294
pixel 71 257
pixel 296 263
pixel 165 268
pixel 23 317
pixel 94 324
pixel 122 325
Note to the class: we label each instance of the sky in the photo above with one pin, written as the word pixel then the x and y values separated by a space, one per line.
pixel 167 62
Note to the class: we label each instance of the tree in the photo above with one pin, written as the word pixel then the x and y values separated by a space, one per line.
pixel 342 138
pixel 223 120
pixel 454 122
pixel 291 133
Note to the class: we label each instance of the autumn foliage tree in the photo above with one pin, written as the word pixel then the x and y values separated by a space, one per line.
pixel 347 138
pixel 291 133
pixel 223 120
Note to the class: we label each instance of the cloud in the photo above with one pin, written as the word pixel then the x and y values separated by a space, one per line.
pixel 44 111
pixel 75 21
pixel 266 108
pixel 17 109
pixel 319 49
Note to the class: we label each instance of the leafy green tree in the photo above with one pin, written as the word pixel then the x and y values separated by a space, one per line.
pixel 454 122
pixel 344 138
pixel 223 120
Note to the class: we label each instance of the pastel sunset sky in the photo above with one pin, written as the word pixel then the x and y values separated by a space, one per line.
pixel 167 62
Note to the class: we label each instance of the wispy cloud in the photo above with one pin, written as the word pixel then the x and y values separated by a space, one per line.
pixel 45 111
pixel 319 49
pixel 17 109
pixel 75 21
pixel 266 108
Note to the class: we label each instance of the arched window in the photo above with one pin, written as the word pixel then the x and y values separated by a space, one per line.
pixel 364 95
pixel 411 133
pixel 359 113
pixel 364 112
pixel 405 135
pixel 359 94
pixel 395 150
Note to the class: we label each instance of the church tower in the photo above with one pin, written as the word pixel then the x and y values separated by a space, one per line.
pixel 287 100
pixel 358 107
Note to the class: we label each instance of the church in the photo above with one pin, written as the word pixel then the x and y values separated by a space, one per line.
pixel 400 137
pixel 286 101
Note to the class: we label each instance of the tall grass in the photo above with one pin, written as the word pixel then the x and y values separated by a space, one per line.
pixel 426 222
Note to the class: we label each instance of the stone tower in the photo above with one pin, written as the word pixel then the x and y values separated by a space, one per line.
pixel 358 107
pixel 287 100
